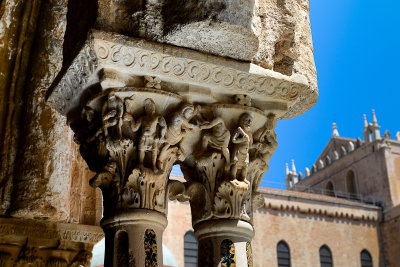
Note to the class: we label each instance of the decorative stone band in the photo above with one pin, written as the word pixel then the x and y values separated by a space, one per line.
pixel 107 51
pixel 307 203
pixel 50 230
pixel 26 242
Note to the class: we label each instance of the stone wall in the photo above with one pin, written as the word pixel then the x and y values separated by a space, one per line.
pixel 393 170
pixel 368 163
pixel 179 223
pixel 305 222
pixel 391 236
pixel 42 174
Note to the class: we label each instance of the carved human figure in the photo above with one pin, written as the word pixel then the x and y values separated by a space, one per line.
pixel 266 139
pixel 177 129
pixel 151 138
pixel 91 133
pixel 243 140
pixel 112 112
pixel 218 139
pixel 153 129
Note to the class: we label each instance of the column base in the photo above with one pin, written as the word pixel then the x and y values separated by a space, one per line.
pixel 134 238
pixel 224 243
pixel 27 242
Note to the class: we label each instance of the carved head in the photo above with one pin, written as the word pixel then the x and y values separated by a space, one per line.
pixel 245 121
pixel 88 113
pixel 149 106
pixel 187 111
pixel 111 167
pixel 112 98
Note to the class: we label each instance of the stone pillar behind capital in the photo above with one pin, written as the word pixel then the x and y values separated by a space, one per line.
pixel 139 107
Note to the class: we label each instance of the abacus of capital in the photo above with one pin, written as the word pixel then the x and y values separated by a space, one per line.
pixel 157 84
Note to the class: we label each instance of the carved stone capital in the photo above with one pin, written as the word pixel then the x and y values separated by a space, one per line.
pixel 40 243
pixel 137 108
pixel 226 166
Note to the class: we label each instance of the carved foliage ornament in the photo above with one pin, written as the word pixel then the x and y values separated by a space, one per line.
pixel 132 138
pixel 131 146
pixel 36 257
pixel 230 167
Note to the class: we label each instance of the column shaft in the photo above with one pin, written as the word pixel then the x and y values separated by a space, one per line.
pixel 224 243
pixel 134 238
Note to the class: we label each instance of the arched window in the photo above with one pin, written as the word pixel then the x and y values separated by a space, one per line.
pixel 366 259
pixel 330 189
pixel 325 257
pixel 283 254
pixel 190 250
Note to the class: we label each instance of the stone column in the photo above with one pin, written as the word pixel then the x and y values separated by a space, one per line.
pixel 224 242
pixel 223 176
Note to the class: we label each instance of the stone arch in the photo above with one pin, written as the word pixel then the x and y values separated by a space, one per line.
pixel 330 189
pixel 351 183
pixel 366 258
pixel 325 256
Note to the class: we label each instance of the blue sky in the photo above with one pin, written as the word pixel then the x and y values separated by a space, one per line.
pixel 357 53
